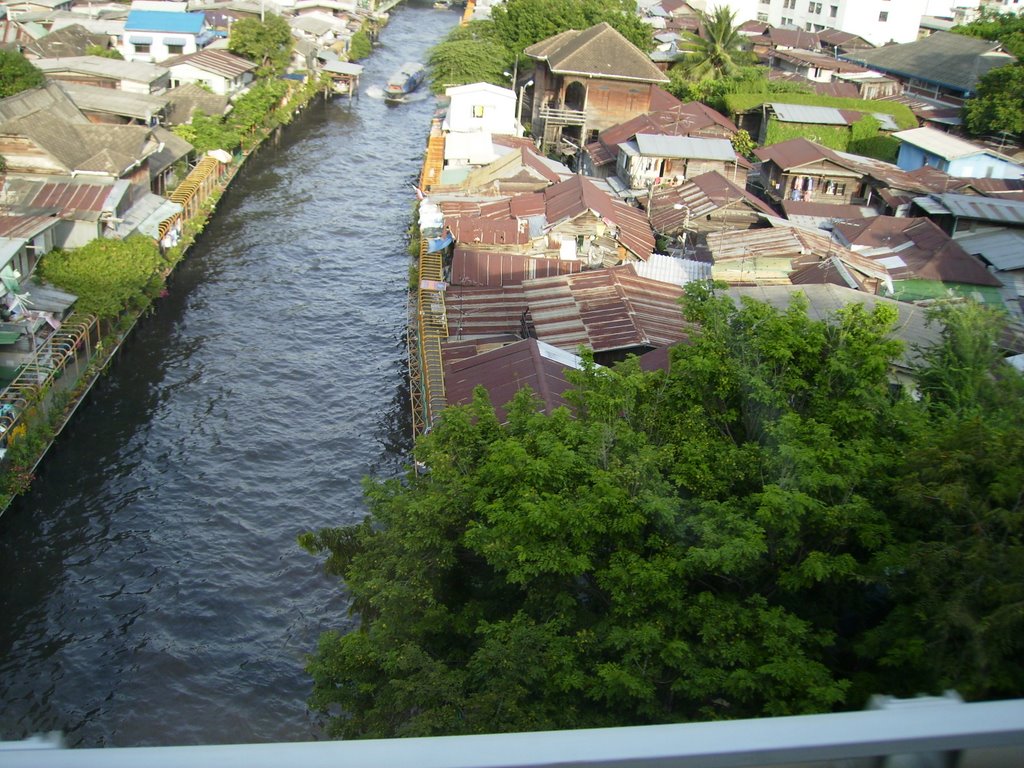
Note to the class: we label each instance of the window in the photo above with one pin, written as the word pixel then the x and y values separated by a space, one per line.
pixel 762 17
pixel 883 16
pixel 833 11
pixel 807 26
pixel 141 47
pixel 174 50
pixel 786 21
pixel 478 111
pixel 766 2
pixel 814 8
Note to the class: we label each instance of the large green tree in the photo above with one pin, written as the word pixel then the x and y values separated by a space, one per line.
pixel 268 42
pixel 469 54
pixel 17 74
pixel 520 23
pixel 998 105
pixel 1007 28
pixel 717 541
pixel 717 50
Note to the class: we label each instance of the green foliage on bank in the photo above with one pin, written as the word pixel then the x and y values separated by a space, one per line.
pixel 766 529
pixel 108 276
pixel 264 106
pixel 1007 28
pixel 736 103
pixel 361 46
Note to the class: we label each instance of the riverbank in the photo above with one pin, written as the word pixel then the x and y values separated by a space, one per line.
pixel 54 402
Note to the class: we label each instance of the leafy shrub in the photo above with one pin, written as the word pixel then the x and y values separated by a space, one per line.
pixel 108 276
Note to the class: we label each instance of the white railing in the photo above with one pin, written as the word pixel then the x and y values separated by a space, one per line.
pixel 923 732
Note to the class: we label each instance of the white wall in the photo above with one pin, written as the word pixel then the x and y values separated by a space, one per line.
pixel 859 17
pixel 482 107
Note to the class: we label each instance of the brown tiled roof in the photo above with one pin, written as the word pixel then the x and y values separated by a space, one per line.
pixel 184 100
pixel 72 40
pixel 927 252
pixel 697 197
pixel 605 310
pixel 835 88
pixel 599 51
pixel 945 58
pixel 572 197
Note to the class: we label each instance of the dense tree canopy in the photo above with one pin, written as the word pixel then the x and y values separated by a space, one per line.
pixel 268 42
pixel 998 104
pixel 17 74
pixel 1007 28
pixel 470 54
pixel 767 529
pixel 520 23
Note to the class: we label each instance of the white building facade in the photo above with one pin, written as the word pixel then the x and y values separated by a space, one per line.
pixel 877 21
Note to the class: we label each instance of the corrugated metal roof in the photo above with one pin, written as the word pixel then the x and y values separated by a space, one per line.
pixel 164 21
pixel 653 145
pixel 1002 248
pixel 925 252
pixel 572 197
pixel 25 226
pixel 984 208
pixel 605 310
pixel 505 370
pixel 940 143
pixel 699 196
pixel 798 113
pixel 671 270
pixel 480 312
pixel 474 267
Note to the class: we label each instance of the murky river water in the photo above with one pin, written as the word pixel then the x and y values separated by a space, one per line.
pixel 151 591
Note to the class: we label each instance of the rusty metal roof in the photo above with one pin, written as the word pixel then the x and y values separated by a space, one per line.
pixel 25 226
pixel 997 210
pixel 483 311
pixel 505 370
pixel 914 248
pixel 472 267
pixel 690 119
pixel 572 197
pixel 69 198
pixel 605 310
pixel 700 196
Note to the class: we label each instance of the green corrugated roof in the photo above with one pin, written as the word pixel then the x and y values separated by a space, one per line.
pixel 9 337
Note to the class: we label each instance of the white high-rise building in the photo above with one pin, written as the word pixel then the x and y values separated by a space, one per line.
pixel 877 21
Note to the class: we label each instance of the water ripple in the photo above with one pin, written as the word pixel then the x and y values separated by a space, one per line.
pixel 152 588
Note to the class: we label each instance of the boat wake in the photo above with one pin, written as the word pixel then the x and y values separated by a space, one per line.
pixel 376 92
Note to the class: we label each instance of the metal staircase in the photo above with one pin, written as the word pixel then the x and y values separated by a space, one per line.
pixel 426 366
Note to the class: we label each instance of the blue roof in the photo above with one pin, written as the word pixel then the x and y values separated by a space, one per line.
pixel 164 21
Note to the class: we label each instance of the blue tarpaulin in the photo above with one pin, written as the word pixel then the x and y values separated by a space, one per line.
pixel 439 243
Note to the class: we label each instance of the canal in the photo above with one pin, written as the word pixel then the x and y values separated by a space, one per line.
pixel 151 590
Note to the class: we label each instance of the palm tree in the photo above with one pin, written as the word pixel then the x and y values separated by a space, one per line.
pixel 714 52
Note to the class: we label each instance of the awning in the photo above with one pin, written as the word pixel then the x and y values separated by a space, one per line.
pixel 140 40
pixel 174 41
pixel 151 224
